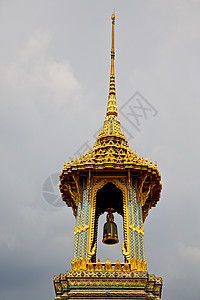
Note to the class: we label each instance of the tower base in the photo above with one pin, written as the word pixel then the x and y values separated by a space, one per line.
pixel 103 285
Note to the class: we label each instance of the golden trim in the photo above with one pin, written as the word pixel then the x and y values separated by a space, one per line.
pixel 139 230
pixel 134 265
pixel 79 236
pixel 75 238
pixel 86 205
pixel 89 182
pixel 78 187
pixel 75 235
pixel 81 228
pixel 143 249
pixel 91 253
pixel 73 195
pixel 140 187
pixel 108 266
pixel 126 222
pixel 133 212
pixel 99 266
pixel 126 254
pixel 83 264
pixel 118 266
pixel 145 195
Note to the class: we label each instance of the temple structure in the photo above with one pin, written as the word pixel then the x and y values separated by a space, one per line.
pixel 109 178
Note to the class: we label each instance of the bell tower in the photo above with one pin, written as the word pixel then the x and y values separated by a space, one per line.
pixel 109 178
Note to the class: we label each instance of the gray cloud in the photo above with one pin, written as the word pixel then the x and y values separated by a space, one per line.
pixel 54 79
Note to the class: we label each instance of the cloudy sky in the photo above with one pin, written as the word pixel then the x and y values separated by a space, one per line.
pixel 54 76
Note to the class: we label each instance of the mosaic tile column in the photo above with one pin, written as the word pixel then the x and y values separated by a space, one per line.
pixel 82 223
pixel 87 219
pixel 136 224
pixel 76 240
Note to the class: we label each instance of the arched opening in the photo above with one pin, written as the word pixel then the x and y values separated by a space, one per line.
pixel 109 196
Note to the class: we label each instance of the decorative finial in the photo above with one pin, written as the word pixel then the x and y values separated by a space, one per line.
pixel 113 16
pixel 112 106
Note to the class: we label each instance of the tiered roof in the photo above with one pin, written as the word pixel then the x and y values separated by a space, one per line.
pixel 111 152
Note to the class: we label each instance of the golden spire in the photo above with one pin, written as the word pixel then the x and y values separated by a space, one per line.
pixel 112 105
pixel 112 73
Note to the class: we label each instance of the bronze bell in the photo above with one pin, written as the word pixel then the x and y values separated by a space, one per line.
pixel 110 236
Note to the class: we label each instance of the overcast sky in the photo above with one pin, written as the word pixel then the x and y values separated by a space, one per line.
pixel 54 77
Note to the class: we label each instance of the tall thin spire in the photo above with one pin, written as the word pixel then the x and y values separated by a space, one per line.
pixel 112 105
pixel 112 73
